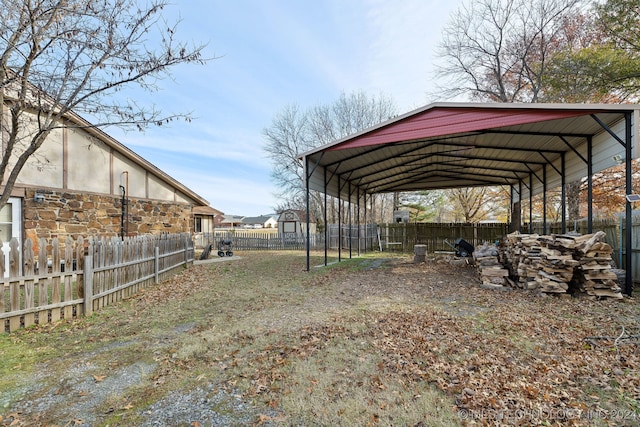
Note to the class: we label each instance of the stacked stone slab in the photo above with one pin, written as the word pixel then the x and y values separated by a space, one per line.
pixel 492 272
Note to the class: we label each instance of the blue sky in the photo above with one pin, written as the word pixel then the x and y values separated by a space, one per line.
pixel 271 54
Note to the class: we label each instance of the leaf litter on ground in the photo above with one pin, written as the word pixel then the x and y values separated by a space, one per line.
pixel 298 345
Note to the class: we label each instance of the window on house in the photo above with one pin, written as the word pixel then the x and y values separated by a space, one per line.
pixel 10 227
pixel 6 222
pixel 197 226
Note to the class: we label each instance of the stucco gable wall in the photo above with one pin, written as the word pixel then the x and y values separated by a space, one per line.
pixel 158 190
pixel 73 159
pixel 89 163
pixel 46 165
pixel 130 175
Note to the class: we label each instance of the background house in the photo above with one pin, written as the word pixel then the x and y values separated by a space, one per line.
pixel 84 182
pixel 230 221
pixel 263 221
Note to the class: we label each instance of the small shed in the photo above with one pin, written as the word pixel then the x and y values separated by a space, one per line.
pixel 294 221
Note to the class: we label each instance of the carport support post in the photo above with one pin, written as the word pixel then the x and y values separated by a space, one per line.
pixel 306 178
pixel 589 185
pixel 544 199
pixel 563 196
pixel 530 203
pixel 339 220
pixel 516 217
pixel 519 205
pixel 358 217
pixel 350 219
pixel 628 212
pixel 326 221
pixel 366 228
pixel 327 234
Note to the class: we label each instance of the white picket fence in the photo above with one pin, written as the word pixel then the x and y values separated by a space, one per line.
pixel 79 277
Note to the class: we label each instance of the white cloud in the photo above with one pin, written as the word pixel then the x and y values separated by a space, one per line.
pixel 203 141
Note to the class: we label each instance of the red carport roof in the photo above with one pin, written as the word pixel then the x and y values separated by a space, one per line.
pixel 449 145
pixel 448 121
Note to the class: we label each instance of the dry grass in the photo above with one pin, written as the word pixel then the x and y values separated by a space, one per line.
pixel 364 342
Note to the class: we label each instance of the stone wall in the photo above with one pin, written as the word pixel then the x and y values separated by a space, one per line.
pixel 63 214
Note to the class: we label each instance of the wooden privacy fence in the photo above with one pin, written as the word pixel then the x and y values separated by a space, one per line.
pixel 437 236
pixel 364 235
pixel 258 241
pixel 64 282
pixel 399 237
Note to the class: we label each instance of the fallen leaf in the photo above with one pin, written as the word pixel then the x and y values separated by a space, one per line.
pixel 263 418
pixel 99 378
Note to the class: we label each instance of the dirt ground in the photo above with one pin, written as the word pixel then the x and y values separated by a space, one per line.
pixel 256 340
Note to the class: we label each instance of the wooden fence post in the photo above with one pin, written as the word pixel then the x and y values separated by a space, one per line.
pixel 156 265
pixel 29 284
pixel 185 242
pixel 43 285
pixel 88 285
pixel 55 269
pixel 14 290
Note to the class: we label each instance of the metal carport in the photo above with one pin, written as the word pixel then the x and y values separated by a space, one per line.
pixel 530 147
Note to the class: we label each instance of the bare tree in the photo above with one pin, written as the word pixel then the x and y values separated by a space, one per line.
pixel 499 50
pixel 65 58
pixel 287 137
pixel 294 131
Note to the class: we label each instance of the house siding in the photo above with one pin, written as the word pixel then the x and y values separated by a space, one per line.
pixel 81 172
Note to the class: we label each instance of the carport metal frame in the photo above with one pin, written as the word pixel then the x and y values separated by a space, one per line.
pixel 530 147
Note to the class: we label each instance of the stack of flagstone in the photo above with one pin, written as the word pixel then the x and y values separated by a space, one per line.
pixel 492 272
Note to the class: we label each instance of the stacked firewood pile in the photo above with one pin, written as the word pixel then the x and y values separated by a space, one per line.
pixel 595 274
pixel 492 272
pixel 556 265
pixel 522 254
pixel 560 263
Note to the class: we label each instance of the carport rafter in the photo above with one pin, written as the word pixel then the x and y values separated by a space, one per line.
pixel 418 170
pixel 364 172
pixel 383 188
pixel 430 144
pixel 465 148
